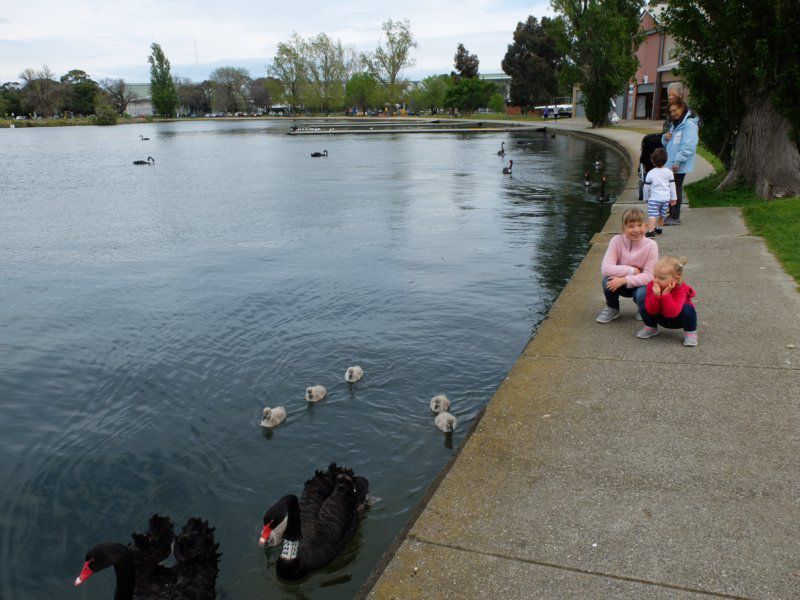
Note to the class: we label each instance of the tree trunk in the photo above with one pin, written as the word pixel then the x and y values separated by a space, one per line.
pixel 764 155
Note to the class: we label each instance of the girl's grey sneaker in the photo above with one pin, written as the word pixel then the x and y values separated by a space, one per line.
pixel 647 332
pixel 690 338
pixel 607 315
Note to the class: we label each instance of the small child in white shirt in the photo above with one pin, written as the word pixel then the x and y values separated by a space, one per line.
pixel 659 192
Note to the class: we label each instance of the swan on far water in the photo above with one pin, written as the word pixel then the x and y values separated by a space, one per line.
pixel 138 567
pixel 150 161
pixel 353 374
pixel 142 138
pixel 507 170
pixel 440 403
pixel 272 417
pixel 316 528
pixel 502 151
pixel 586 181
pixel 319 154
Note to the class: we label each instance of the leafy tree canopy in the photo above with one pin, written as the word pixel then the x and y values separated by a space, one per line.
pixel 466 64
pixel 742 63
pixel 162 89
pixel 602 37
pixel 468 95
pixel 534 61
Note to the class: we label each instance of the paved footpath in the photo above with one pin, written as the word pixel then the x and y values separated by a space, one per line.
pixel 609 466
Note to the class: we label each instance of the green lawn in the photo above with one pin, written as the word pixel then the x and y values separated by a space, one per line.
pixel 777 221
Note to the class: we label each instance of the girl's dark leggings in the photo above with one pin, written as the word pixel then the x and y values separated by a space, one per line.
pixel 687 320
pixel 675 211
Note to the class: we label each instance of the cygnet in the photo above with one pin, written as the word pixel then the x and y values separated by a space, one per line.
pixel 353 374
pixel 440 403
pixel 446 422
pixel 316 393
pixel 273 416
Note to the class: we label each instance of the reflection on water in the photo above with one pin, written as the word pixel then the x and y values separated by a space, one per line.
pixel 150 313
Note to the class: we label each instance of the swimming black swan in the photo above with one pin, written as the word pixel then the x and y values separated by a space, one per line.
pixel 142 138
pixel 150 161
pixel 603 196
pixel 316 528
pixel 507 170
pixel 139 572
pixel 586 181
pixel 319 154
pixel 502 151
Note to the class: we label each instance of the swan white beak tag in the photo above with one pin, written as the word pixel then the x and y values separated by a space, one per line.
pixel 289 551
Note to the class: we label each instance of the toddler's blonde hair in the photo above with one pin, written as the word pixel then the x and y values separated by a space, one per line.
pixel 632 215
pixel 675 265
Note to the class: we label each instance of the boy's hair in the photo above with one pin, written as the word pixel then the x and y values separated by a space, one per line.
pixel 673 264
pixel 659 157
pixel 632 215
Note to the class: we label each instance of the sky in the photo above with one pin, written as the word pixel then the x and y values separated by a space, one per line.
pixel 112 39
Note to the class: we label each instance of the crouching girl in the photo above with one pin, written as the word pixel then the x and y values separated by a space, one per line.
pixel 668 302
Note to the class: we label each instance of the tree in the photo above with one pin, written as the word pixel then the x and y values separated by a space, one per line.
pixel 326 72
pixel 105 112
pixel 78 92
pixel 497 103
pixel 435 88
pixel 118 93
pixel 162 89
pixel 10 98
pixel 742 63
pixel 386 63
pixel 533 61
pixel 261 92
pixel 602 36
pixel 466 64
pixel 362 91
pixel 41 93
pixel 231 88
pixel 289 66
pixel 468 95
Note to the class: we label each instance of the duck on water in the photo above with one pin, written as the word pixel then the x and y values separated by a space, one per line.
pixel 150 161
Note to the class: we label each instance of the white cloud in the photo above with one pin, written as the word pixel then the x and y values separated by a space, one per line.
pixel 114 40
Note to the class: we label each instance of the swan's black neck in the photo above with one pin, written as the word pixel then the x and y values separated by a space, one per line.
pixel 293 524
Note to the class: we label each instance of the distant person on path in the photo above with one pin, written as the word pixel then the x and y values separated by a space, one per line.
pixel 659 192
pixel 681 145
pixel 669 302
pixel 627 265
pixel 546 112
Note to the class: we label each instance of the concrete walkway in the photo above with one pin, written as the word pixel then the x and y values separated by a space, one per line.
pixel 609 466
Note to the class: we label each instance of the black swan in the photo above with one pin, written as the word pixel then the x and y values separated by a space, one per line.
pixel 502 151
pixel 139 572
pixel 142 138
pixel 507 170
pixel 586 181
pixel 316 528
pixel 319 154
pixel 603 196
pixel 150 161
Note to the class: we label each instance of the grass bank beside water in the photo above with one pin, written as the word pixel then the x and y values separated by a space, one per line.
pixel 777 221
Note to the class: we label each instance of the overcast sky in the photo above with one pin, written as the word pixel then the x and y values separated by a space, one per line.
pixel 112 39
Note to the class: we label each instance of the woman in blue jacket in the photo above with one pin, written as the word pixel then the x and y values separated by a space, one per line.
pixel 681 145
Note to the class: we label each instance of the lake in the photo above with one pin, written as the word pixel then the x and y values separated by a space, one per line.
pixel 149 313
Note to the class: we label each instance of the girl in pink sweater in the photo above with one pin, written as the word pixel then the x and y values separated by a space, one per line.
pixel 628 265
pixel 669 302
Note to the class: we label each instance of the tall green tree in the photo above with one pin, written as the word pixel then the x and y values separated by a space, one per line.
pixel 10 98
pixel 326 72
pixel 362 91
pixel 466 64
pixel 742 63
pixel 79 92
pixel 162 89
pixel 534 61
pixel 468 95
pixel 602 37
pixel 41 93
pixel 386 62
pixel 231 88
pixel 289 66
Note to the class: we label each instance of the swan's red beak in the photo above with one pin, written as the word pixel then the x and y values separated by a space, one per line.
pixel 86 572
pixel 262 541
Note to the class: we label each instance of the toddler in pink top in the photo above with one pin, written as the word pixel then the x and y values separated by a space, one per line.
pixel 627 265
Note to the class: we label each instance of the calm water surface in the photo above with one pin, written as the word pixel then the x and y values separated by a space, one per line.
pixel 149 313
